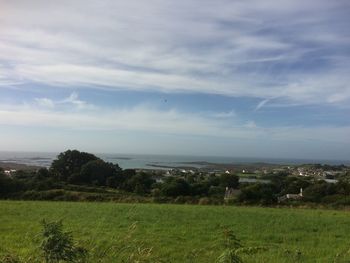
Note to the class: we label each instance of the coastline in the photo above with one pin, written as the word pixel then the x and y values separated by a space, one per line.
pixel 18 166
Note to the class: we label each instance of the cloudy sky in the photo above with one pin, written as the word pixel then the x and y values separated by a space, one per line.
pixel 229 77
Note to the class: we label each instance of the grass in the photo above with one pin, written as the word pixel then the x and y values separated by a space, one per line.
pixel 179 233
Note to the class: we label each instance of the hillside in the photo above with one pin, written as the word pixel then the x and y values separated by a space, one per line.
pixel 179 233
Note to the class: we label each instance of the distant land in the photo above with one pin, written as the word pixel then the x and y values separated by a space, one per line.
pixel 30 160
pixel 17 166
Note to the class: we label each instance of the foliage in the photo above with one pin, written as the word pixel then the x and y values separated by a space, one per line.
pixel 70 162
pixel 229 256
pixel 231 245
pixel 175 187
pixel 258 193
pixel 75 175
pixel 10 258
pixel 293 185
pixel 320 189
pixel 229 180
pixel 140 183
pixel 8 185
pixel 233 248
pixel 96 172
pixel 58 245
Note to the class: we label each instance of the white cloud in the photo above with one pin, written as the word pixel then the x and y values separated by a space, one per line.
pixel 171 122
pixel 250 124
pixel 74 100
pixel 71 100
pixel 45 102
pixel 233 48
pixel 137 119
pixel 261 104
pixel 228 114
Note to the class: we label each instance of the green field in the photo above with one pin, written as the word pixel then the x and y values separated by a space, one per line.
pixel 179 233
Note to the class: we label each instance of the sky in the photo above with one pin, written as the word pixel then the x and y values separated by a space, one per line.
pixel 194 77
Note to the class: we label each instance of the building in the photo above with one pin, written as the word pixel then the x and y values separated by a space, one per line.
pixel 291 196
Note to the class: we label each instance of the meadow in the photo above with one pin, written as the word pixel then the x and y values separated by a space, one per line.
pixel 178 233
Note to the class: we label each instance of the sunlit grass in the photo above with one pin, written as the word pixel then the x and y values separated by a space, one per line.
pixel 179 233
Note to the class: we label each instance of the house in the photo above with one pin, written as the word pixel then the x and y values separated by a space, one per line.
pixel 9 172
pixel 291 196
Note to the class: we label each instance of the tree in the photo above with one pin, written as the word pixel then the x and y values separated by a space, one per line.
pixel 128 173
pixel 343 187
pixel 9 185
pixel 140 183
pixel 229 180
pixel 175 187
pixel 258 193
pixel 200 188
pixel 293 185
pixel 96 172
pixel 70 162
pixel 43 173
pixel 319 190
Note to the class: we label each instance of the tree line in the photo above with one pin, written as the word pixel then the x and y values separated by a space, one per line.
pixel 76 175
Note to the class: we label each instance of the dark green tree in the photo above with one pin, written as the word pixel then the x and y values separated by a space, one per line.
pixel 97 172
pixel 70 162
pixel 140 183
pixel 229 180
pixel 258 193
pixel 175 187
pixel 319 190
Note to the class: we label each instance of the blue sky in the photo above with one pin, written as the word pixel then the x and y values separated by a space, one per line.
pixel 231 78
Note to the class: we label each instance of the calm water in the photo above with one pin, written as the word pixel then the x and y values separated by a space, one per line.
pixel 146 161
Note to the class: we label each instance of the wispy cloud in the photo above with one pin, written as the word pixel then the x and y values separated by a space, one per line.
pixel 266 54
pixel 261 104
pixel 71 100
pixel 232 48
pixel 228 114
pixel 156 121
pixel 45 102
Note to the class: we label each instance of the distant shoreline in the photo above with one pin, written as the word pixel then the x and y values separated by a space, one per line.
pixel 33 160
pixel 18 166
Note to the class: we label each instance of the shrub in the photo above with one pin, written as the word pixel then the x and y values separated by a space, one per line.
pixel 258 193
pixel 175 187
pixel 233 249
pixel 231 246
pixel 58 245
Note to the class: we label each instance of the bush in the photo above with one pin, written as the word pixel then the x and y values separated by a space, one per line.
pixel 345 201
pixel 258 193
pixel 58 245
pixel 234 249
pixel 175 187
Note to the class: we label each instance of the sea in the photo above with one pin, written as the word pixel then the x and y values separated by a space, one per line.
pixel 143 161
